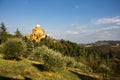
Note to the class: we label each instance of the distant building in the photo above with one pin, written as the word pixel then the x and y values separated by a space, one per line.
pixel 37 34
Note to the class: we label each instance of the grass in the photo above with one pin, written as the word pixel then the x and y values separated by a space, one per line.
pixel 32 70
pixel 18 70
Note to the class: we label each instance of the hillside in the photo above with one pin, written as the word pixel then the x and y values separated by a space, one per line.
pixel 97 57
pixel 37 56
pixel 32 70
pixel 105 42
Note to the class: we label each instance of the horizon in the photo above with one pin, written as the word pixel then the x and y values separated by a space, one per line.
pixel 80 21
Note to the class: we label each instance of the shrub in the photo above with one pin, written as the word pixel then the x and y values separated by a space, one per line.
pixel 37 54
pixel 1 48
pixel 53 61
pixel 70 61
pixel 103 69
pixel 14 48
pixel 83 67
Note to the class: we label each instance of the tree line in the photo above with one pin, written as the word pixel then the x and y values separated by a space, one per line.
pixel 4 35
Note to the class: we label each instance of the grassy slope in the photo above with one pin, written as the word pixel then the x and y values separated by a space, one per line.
pixel 30 70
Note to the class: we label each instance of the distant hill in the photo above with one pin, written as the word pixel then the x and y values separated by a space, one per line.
pixel 100 43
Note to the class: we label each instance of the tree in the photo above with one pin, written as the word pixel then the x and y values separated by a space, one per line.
pixel 3 33
pixel 29 48
pixel 3 28
pixel 14 48
pixel 18 33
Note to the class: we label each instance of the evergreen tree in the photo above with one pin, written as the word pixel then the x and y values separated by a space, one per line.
pixel 3 33
pixel 3 28
pixel 18 33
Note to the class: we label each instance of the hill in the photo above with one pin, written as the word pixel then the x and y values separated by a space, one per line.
pixel 105 42
pixel 32 70
pixel 23 58
pixel 96 56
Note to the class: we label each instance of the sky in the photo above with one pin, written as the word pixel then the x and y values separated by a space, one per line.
pixel 80 21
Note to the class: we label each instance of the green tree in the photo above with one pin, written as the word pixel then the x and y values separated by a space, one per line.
pixel 3 33
pixel 18 33
pixel 14 48
pixel 29 48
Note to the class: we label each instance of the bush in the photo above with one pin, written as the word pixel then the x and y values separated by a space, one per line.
pixel 103 69
pixel 70 62
pixel 53 61
pixel 1 48
pixel 37 54
pixel 14 48
pixel 83 67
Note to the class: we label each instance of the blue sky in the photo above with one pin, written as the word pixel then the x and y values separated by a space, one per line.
pixel 81 21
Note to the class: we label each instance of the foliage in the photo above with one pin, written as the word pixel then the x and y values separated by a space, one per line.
pixel 29 48
pixel 70 61
pixel 67 48
pixel 3 33
pixel 27 70
pixel 1 48
pixel 83 67
pixel 18 33
pixel 14 48
pixel 53 61
pixel 91 56
pixel 103 68
pixel 115 67
pixel 37 54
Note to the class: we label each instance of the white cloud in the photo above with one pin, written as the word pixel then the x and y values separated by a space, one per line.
pixel 72 32
pixel 115 20
pixel 85 33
